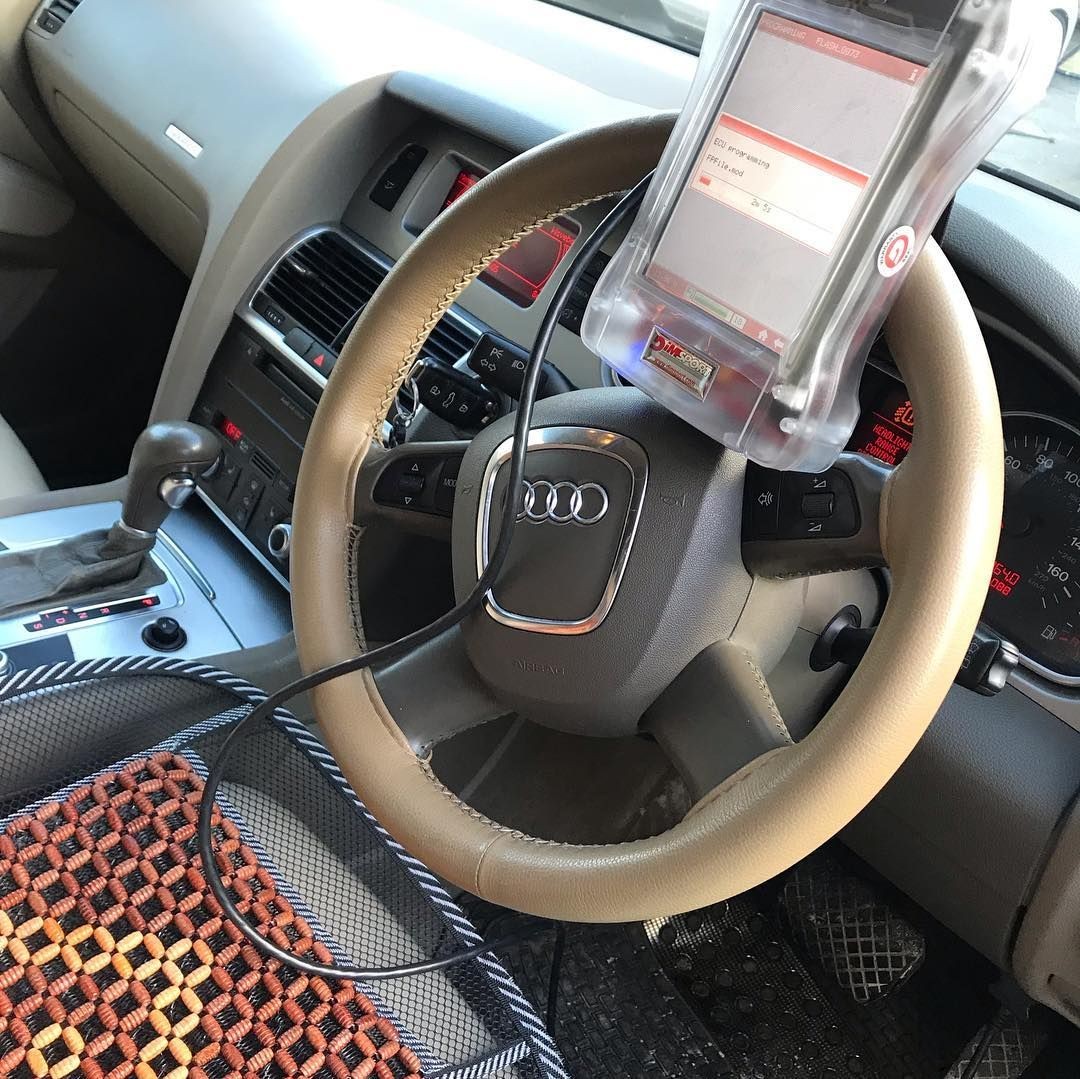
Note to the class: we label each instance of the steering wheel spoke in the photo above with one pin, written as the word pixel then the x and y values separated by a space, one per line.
pixel 716 718
pixel 796 524
pixel 434 693
pixel 412 487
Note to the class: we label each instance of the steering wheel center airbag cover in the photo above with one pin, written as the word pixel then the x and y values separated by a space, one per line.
pixel 581 506
pixel 590 622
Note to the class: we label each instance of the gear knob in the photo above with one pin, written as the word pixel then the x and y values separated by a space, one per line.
pixel 167 460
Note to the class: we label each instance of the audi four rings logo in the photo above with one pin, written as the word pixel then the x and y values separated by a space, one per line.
pixel 564 503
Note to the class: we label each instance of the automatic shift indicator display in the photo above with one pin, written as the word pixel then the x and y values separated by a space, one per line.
pixel 72 617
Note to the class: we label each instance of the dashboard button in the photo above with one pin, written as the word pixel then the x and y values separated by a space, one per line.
pixel 273 514
pixel 818 507
pixel 762 501
pixel 285 488
pixel 224 479
pixel 299 341
pixel 272 314
pixel 397 177
pixel 244 501
pixel 446 492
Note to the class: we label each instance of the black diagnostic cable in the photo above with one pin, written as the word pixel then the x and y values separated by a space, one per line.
pixel 396 650
pixel 555 975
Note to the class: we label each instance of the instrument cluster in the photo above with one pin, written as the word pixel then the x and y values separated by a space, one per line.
pixel 1034 595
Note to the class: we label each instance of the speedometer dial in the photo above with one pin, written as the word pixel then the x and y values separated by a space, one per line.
pixel 1035 592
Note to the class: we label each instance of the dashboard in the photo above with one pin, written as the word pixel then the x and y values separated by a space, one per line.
pixel 312 142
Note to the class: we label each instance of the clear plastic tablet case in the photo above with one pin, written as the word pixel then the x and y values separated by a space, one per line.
pixel 790 401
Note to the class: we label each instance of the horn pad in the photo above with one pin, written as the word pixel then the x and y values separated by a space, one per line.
pixel 584 490
pixel 625 564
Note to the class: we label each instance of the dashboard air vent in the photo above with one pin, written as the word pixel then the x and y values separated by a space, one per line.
pixel 323 285
pixel 56 14
pixel 449 341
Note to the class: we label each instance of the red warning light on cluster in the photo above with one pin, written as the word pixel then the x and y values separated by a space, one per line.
pixel 1004 579
pixel 466 179
pixel 885 431
pixel 904 416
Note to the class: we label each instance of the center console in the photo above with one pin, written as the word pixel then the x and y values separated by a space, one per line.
pixel 263 387
pixel 219 602
pixel 261 412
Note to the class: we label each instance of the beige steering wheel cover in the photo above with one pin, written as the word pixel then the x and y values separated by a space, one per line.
pixel 940 521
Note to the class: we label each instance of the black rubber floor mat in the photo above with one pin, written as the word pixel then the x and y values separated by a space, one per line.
pixel 755 995
pixel 618 1014
pixel 726 992
pixel 776 1016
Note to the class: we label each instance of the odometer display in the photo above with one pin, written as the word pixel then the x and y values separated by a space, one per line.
pixel 1034 597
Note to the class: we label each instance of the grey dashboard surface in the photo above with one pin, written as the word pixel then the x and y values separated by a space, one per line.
pixel 290 108
pixel 291 103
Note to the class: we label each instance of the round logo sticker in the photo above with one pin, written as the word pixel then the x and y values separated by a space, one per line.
pixel 896 250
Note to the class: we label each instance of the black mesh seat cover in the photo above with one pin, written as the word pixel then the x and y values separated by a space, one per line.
pixel 115 960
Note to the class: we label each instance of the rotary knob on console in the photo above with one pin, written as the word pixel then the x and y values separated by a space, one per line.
pixel 165 635
pixel 279 542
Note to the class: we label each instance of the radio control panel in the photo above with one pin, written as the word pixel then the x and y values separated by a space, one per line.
pixel 262 414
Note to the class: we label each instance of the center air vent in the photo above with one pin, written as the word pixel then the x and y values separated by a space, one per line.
pixel 320 288
pixel 56 14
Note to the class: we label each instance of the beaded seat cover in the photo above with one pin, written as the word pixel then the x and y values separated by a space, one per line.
pixel 115 958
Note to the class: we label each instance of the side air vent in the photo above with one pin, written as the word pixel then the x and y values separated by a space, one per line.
pixel 320 289
pixel 56 14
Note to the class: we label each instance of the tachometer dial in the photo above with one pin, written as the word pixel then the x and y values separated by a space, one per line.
pixel 1035 592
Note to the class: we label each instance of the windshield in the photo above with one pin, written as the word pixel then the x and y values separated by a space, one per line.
pixel 1043 150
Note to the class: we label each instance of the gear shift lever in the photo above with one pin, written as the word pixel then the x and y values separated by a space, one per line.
pixel 167 460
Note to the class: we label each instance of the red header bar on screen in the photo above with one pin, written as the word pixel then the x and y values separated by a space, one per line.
pixel 842 49
pixel 793 149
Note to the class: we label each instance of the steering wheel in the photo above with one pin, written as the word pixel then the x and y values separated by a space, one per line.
pixel 646 617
